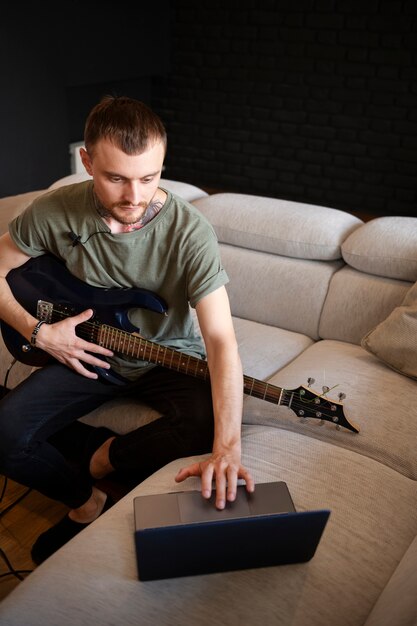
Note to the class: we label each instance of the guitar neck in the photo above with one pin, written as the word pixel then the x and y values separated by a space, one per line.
pixel 137 347
pixel 303 401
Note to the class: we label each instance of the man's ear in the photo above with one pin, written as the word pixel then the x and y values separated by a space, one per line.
pixel 86 161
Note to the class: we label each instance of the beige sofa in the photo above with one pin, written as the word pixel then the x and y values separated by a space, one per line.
pixel 308 285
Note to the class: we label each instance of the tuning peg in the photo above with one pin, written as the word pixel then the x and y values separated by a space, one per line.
pixel 301 415
pixel 325 388
pixel 310 381
pixel 342 396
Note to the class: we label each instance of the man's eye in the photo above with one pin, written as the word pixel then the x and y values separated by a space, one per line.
pixel 147 180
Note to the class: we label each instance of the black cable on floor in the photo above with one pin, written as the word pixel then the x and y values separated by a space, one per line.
pixel 12 571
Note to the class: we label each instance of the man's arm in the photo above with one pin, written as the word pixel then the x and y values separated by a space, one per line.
pixel 58 339
pixel 224 464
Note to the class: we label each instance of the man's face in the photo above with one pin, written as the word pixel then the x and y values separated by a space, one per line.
pixel 124 184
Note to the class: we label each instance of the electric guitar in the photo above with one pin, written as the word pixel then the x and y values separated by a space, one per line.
pixel 45 288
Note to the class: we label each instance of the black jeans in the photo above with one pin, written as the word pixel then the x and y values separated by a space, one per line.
pixel 55 396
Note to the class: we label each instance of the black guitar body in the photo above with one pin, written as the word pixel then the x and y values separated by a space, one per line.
pixel 46 278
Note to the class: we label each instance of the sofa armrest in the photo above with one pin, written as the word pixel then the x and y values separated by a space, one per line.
pixel 397 603
pixel 12 206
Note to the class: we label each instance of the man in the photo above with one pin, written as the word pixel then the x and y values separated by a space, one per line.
pixel 121 230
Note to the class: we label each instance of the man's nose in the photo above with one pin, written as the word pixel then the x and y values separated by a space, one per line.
pixel 133 193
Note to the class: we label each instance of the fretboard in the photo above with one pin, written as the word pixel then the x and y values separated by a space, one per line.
pixel 137 347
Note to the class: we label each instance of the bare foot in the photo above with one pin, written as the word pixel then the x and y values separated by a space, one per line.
pixel 100 464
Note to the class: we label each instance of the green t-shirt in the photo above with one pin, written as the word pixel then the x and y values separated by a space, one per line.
pixel 175 255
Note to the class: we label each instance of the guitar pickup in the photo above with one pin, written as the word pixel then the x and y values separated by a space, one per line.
pixel 44 311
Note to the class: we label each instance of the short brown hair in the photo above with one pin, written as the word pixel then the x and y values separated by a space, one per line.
pixel 130 124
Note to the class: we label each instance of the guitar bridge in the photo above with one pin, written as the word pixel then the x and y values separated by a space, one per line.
pixel 44 311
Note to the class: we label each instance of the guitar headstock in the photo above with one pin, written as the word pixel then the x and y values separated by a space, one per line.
pixel 307 403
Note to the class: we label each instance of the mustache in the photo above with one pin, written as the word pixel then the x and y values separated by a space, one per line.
pixel 121 205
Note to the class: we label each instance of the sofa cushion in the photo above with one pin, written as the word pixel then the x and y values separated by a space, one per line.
pixel 278 226
pixel 356 302
pixel 184 190
pixel 11 206
pixel 266 349
pixel 278 291
pixel 93 579
pixel 121 415
pixel 71 179
pixel 378 400
pixel 385 246
pixel 394 340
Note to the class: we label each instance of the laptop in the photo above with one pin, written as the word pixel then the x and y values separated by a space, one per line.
pixel 183 534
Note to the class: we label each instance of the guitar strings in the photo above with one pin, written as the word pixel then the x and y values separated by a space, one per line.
pixel 259 389
pixel 272 393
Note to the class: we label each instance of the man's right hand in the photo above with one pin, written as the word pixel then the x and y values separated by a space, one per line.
pixel 61 342
pixel 58 339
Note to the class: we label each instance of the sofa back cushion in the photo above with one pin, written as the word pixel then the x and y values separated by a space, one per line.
pixel 280 256
pixel 280 227
pixel 276 290
pixel 385 246
pixel 382 260
pixel 357 302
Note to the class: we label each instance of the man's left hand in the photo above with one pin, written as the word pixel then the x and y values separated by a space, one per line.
pixel 225 469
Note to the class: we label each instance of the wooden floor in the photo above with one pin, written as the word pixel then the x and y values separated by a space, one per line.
pixel 19 528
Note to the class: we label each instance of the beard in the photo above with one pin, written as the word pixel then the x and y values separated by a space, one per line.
pixel 118 211
pixel 127 217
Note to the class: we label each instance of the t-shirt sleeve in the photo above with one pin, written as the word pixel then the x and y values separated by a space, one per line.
pixel 26 234
pixel 206 273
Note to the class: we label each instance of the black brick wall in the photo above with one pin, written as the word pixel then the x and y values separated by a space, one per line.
pixel 309 100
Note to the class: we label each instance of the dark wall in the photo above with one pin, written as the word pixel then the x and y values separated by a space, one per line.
pixel 312 100
pixel 33 137
pixel 57 59
pixel 118 48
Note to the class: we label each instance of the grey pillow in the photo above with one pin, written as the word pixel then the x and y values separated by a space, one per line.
pixel 384 246
pixel 394 341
